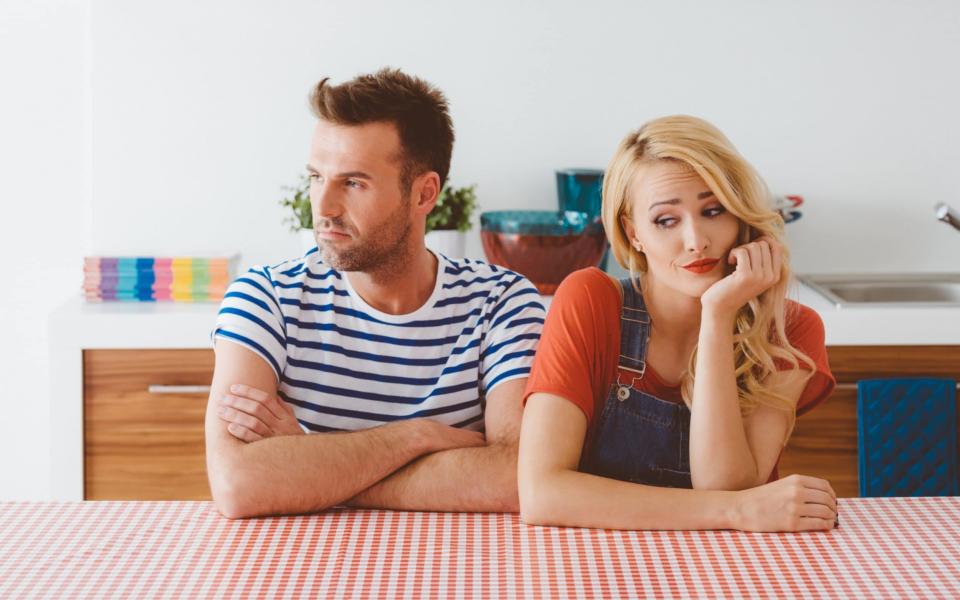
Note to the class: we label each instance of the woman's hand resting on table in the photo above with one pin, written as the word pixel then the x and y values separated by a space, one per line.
pixel 794 503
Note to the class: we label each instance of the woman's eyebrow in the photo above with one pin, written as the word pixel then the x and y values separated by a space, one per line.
pixel 700 196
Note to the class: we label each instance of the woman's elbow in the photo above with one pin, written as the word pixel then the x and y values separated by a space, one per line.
pixel 537 500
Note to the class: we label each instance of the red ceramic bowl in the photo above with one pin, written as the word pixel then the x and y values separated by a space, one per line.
pixel 545 258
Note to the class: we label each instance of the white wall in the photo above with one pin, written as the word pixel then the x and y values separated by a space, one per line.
pixel 198 116
pixel 44 217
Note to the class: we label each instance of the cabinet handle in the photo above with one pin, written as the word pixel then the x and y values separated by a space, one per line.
pixel 178 389
pixel 853 386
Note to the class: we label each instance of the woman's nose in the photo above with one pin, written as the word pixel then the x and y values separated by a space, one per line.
pixel 695 238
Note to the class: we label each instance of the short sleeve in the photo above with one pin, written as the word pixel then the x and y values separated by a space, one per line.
pixel 250 315
pixel 805 330
pixel 510 342
pixel 574 360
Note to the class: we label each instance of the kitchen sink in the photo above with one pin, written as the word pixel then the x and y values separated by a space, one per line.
pixel 893 289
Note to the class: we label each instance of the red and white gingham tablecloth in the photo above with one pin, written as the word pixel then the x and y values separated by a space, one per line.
pixel 885 547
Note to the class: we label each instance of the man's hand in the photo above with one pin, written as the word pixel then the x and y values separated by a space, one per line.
pixel 253 414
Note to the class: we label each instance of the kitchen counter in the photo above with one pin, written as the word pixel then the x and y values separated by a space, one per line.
pixel 185 325
pixel 884 547
pixel 882 326
pixel 78 326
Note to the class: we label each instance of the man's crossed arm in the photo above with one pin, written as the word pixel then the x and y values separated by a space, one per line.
pixel 260 467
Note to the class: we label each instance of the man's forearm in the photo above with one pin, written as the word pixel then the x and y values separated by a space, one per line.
pixel 465 479
pixel 307 473
pixel 720 457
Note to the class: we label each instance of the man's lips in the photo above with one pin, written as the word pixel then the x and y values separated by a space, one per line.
pixel 332 234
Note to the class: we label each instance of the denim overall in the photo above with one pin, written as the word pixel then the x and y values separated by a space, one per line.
pixel 639 437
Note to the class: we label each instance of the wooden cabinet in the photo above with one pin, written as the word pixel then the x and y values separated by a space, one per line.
pixel 824 443
pixel 143 414
pixel 150 446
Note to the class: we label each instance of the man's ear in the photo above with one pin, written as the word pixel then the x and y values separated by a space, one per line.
pixel 426 191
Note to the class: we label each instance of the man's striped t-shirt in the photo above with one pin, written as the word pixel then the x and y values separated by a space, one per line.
pixel 344 366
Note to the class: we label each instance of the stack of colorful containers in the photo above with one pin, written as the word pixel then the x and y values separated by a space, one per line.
pixel 146 279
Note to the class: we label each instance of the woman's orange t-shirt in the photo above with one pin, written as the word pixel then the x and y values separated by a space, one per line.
pixel 578 353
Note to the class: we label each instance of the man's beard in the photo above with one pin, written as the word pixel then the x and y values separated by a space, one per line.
pixel 386 245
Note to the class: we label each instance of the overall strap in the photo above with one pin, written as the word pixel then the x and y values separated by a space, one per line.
pixel 634 330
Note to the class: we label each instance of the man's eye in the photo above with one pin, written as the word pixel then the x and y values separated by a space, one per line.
pixel 313 175
pixel 353 183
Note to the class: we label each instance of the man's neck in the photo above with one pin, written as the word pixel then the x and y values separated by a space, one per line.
pixel 399 288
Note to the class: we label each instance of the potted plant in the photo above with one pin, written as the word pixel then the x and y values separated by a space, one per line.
pixel 301 219
pixel 449 221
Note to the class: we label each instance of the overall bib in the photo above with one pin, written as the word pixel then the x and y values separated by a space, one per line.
pixel 639 437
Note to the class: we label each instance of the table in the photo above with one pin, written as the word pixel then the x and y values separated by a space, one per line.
pixel 884 547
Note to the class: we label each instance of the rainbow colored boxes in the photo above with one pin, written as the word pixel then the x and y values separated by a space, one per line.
pixel 146 279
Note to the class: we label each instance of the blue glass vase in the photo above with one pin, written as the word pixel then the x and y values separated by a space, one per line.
pixel 581 190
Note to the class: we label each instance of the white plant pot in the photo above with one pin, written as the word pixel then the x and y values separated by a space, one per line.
pixel 307 240
pixel 450 243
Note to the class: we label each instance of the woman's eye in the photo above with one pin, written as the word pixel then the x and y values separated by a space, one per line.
pixel 314 176
pixel 664 223
pixel 668 222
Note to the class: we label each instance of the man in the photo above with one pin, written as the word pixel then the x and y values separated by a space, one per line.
pixel 406 368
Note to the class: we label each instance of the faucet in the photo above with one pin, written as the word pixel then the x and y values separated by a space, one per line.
pixel 947 215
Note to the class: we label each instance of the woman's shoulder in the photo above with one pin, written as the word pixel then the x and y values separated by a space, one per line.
pixel 588 287
pixel 803 326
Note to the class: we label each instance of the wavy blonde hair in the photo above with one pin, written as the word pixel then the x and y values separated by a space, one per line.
pixel 759 335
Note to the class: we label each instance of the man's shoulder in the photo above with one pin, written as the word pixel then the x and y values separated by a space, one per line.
pixel 477 276
pixel 289 273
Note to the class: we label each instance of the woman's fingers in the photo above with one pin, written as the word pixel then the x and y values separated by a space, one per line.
pixel 815 524
pixel 820 497
pixel 818 511
pixel 818 484
pixel 742 257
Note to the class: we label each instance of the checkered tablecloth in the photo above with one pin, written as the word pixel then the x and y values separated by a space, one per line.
pixel 885 547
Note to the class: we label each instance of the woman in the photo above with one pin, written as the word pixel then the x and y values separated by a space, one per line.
pixel 689 373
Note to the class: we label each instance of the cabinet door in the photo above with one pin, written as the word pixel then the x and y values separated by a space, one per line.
pixel 143 424
pixel 824 442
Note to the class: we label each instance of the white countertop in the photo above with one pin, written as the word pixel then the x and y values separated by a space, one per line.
pixel 188 325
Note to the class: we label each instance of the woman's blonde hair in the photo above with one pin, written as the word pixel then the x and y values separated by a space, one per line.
pixel 759 335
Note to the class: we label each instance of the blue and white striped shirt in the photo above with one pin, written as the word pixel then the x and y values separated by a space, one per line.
pixel 344 366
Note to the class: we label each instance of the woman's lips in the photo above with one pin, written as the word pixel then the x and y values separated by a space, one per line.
pixel 702 268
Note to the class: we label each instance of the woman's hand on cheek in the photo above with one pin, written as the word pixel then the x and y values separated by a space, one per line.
pixel 757 269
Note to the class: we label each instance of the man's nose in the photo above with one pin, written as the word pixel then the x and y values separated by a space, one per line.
pixel 326 203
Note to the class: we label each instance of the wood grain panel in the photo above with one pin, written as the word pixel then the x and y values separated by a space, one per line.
pixel 824 443
pixel 140 445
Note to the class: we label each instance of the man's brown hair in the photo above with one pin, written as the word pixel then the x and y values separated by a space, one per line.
pixel 417 109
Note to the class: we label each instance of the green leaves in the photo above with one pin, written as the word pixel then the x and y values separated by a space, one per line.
pixel 454 208
pixel 302 218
